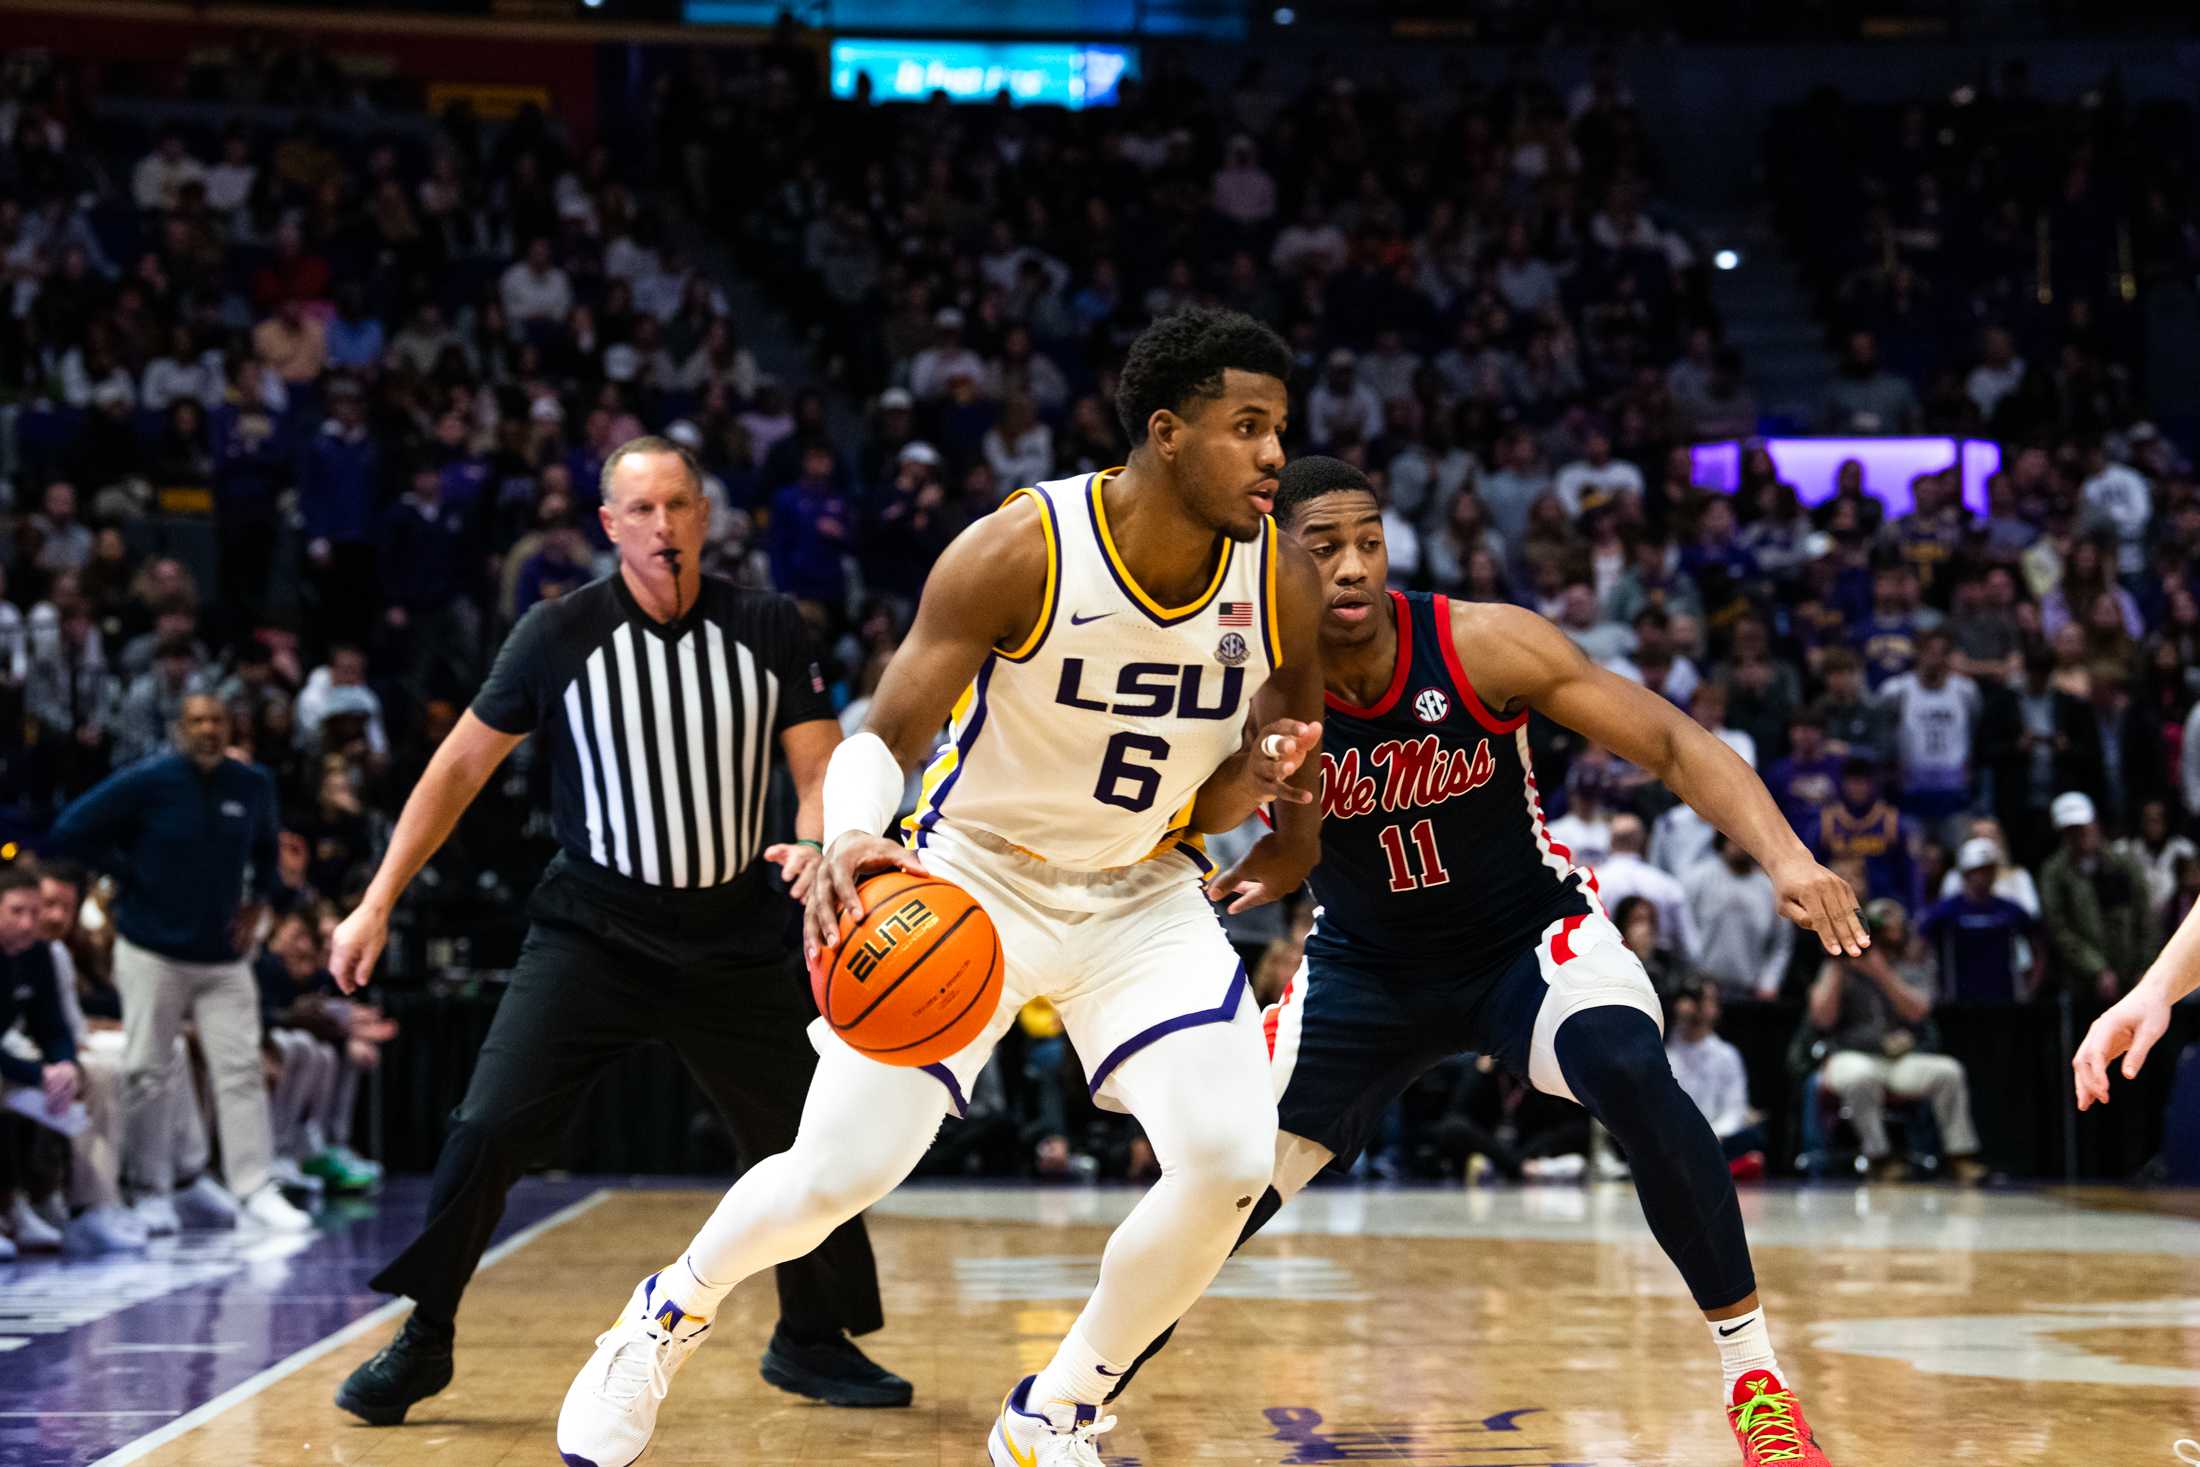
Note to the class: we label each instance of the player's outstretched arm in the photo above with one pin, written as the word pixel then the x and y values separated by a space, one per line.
pixel 987 590
pixel 1279 761
pixel 2134 1024
pixel 1522 659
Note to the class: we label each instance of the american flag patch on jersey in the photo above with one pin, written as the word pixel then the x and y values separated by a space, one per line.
pixel 1237 613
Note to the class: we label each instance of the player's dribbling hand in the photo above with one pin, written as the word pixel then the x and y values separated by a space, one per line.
pixel 797 862
pixel 2130 1028
pixel 356 946
pixel 1818 901
pixel 1270 772
pixel 832 896
pixel 1273 869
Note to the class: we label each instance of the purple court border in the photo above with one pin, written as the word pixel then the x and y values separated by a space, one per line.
pixel 213 1311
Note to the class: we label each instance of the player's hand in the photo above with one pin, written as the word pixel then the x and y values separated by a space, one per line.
pixel 358 942
pixel 797 862
pixel 1278 751
pixel 1272 870
pixel 2130 1028
pixel 832 896
pixel 61 1082
pixel 1816 900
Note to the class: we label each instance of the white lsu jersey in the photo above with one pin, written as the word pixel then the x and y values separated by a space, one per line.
pixel 1087 744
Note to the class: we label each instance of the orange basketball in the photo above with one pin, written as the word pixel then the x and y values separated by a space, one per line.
pixel 915 978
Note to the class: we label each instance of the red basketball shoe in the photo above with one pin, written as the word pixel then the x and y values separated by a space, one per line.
pixel 1768 1422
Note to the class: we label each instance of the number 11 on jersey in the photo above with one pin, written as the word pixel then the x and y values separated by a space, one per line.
pixel 1402 877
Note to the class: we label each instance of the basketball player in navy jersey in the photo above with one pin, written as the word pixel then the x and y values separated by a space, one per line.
pixel 1448 920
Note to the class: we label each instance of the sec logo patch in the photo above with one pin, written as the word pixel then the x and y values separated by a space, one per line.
pixel 1431 706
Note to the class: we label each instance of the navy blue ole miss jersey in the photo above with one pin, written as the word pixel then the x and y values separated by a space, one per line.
pixel 1435 858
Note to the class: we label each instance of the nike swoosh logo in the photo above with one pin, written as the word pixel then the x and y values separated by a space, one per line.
pixel 1102 1368
pixel 1077 621
pixel 1021 1459
pixel 1745 1324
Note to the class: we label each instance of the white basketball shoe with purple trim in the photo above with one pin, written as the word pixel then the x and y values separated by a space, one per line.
pixel 610 1411
pixel 1058 1434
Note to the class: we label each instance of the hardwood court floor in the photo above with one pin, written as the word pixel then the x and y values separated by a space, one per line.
pixel 1537 1328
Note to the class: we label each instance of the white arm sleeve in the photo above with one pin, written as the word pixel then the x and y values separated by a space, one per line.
pixel 863 786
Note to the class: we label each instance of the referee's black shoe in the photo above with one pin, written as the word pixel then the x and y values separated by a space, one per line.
pixel 834 1371
pixel 410 1368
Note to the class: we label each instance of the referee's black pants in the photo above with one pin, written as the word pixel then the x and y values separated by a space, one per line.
pixel 577 1002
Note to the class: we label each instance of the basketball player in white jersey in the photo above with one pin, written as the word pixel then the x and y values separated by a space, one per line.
pixel 1098 643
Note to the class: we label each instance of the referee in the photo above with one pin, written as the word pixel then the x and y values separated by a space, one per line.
pixel 661 694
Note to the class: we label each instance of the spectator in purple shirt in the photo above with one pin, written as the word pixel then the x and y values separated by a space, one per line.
pixel 1976 934
pixel 812 534
pixel 1809 778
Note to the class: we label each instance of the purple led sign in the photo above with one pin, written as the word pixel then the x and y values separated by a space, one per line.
pixel 1810 464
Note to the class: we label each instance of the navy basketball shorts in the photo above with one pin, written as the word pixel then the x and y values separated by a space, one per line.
pixel 1346 1039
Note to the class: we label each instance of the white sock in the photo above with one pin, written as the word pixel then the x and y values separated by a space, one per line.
pixel 695 1295
pixel 1078 1375
pixel 1745 1344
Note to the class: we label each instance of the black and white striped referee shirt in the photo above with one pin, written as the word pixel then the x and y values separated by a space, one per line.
pixel 662 735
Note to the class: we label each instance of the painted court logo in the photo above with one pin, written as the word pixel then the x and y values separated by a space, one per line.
pixel 1446 1442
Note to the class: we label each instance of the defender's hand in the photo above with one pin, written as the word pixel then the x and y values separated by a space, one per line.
pixel 1271 871
pixel 832 896
pixel 1816 900
pixel 797 861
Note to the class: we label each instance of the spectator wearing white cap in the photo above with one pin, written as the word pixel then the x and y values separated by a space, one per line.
pixel 2098 922
pixel 939 364
pixel 1341 405
pixel 910 522
pixel 1978 934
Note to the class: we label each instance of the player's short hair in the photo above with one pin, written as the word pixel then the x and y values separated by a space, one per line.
pixel 21 875
pixel 1181 357
pixel 648 443
pixel 1306 479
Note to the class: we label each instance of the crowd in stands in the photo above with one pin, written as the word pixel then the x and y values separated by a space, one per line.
pixel 384 364
pixel 1984 256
